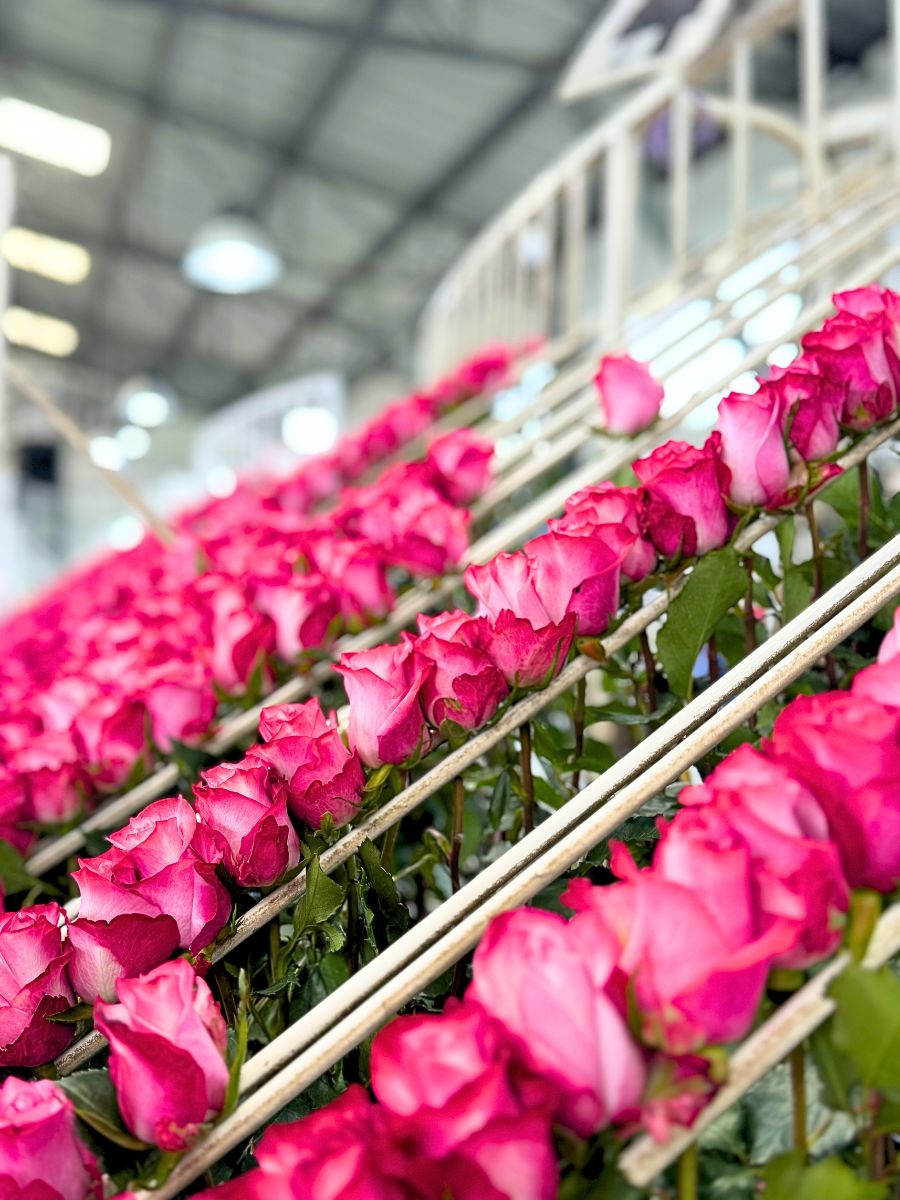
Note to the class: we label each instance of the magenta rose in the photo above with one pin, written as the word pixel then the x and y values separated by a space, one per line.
pixel 812 405
pixel 306 750
pixel 851 351
pixel 589 510
pixel 245 803
pixel 104 952
pixel 33 986
pixel 686 512
pixel 15 810
pixel 385 689
pixel 41 1156
pixel 881 681
pixel 354 569
pixel 548 982
pixel 461 464
pixel 753 447
pixel 507 584
pixel 181 700
pixel 579 575
pixel 465 687
pixel 304 608
pixel 56 781
pixel 163 861
pixel 796 868
pixel 113 732
pixel 167 1054
pixel 630 397
pixel 846 749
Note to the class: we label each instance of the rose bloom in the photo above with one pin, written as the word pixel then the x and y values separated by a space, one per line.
pixel 630 397
pixel 104 952
pixel 753 446
pixel 812 404
pixel 465 688
pixel 167 1054
pixel 881 681
pixel 163 861
pixel 41 1157
pixel 33 986
pixel 384 686
pixel 305 610
pixel 305 749
pixel 685 512
pixel 461 464
pixel 604 504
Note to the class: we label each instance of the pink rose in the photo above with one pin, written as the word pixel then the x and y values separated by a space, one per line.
pixel 548 982
pixel 850 349
pixel 167 1054
pixel 245 803
pixel 630 397
pixel 686 513
pixel 812 406
pixel 181 701
pixel 579 575
pixel 33 986
pixel 305 610
pixel 525 656
pixel 104 952
pixel 689 940
pixel 163 861
pixel 593 508
pixel 846 749
pixel 41 1157
pixel 57 783
pixel 15 810
pixel 384 686
pixel 465 687
pixel 507 584
pixel 796 869
pixel 355 569
pixel 306 750
pixel 461 464
pixel 753 446
pixel 113 733
pixel 240 638
pixel 881 681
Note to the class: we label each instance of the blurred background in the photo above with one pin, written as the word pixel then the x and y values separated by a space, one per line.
pixel 224 218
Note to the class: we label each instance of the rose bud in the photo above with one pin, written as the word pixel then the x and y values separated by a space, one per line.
pixel 104 952
pixel 246 804
pixel 56 780
pixel 305 749
pixel 384 686
pixel 593 508
pixel 167 1054
pixel 846 749
pixel 181 700
pixel 113 733
pixel 163 861
pixel 33 986
pixel 812 404
pixel 461 464
pixel 465 688
pixel 546 981
pixel 240 636
pixel 356 571
pixel 630 397
pixel 686 513
pixel 856 349
pixel 305 609
pixel 579 575
pixel 753 446
pixel 41 1156
pixel 524 656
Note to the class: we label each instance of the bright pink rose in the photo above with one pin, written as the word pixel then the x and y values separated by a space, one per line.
pixel 689 942
pixel 33 986
pixel 461 463
pixel 41 1156
pixel 384 686
pixel 104 952
pixel 240 637
pixel 593 508
pixel 246 804
pixel 354 568
pixel 305 610
pixel 753 446
pixel 167 1054
pixel 56 781
pixel 881 681
pixel 846 750
pixel 507 584
pixel 630 397
pixel 686 513
pixel 465 688
pixel 181 701
pixel 163 861
pixel 851 350
pixel 547 981
pixel 113 733
pixel 812 406
pixel 15 810
pixel 306 750
pixel 677 1091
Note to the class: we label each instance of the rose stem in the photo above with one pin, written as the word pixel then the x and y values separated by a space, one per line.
pixel 456 833
pixel 798 1089
pixel 527 781
pixel 578 716
pixel 749 623
pixel 688 1174
pixel 865 504
pixel 817 581
pixel 387 846
pixel 712 654
pixel 650 668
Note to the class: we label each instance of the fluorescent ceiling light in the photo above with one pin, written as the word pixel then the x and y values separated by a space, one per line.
pixel 37 331
pixel 221 481
pixel 50 137
pixel 133 441
pixel 125 532
pixel 26 250
pixel 106 452
pixel 233 255
pixel 146 401
pixel 308 430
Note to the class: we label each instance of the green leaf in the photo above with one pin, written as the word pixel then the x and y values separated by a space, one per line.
pixel 12 870
pixel 321 900
pixel 241 1038
pixel 789 1178
pixel 797 594
pixel 836 1071
pixel 866 1026
pixel 392 910
pixel 717 582
pixel 81 1012
pixel 619 714
pixel 94 1100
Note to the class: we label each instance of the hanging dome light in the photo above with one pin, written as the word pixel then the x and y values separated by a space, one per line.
pixel 146 401
pixel 232 254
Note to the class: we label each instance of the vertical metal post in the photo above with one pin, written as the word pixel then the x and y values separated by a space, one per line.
pixel 574 224
pixel 619 217
pixel 893 20
pixel 812 74
pixel 742 95
pixel 681 118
